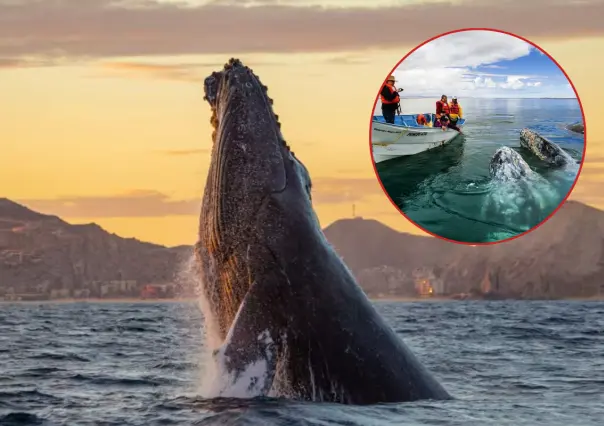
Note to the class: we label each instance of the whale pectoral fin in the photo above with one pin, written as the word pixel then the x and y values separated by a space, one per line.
pixel 248 356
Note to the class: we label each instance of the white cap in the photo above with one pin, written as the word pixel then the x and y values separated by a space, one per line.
pixel 454 97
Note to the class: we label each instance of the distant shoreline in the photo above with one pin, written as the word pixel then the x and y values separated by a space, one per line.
pixel 451 299
pixel 412 299
pixel 375 299
pixel 106 300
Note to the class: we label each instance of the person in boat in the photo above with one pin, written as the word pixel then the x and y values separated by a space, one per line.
pixel 450 125
pixel 390 99
pixel 442 107
pixel 442 122
pixel 421 120
pixel 455 113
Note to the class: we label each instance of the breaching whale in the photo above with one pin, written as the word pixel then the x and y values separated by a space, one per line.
pixel 544 149
pixel 291 318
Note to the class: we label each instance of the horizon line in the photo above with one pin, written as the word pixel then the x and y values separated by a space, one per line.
pixel 492 97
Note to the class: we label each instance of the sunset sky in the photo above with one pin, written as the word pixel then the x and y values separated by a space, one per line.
pixel 102 116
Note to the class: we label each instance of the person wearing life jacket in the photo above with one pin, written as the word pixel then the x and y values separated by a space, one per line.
pixel 390 99
pixel 442 122
pixel 442 107
pixel 421 120
pixel 455 113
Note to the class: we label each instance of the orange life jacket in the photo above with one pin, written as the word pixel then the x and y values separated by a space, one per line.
pixel 396 100
pixel 421 119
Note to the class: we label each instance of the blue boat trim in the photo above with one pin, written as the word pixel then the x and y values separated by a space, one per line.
pixel 410 120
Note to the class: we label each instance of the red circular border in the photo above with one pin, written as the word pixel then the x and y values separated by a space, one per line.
pixel 584 137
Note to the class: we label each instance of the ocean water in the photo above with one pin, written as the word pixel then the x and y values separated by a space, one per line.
pixel 505 363
pixel 449 191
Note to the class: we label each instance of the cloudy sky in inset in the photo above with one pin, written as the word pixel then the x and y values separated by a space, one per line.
pixel 482 64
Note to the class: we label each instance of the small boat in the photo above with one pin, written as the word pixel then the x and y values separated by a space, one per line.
pixel 406 137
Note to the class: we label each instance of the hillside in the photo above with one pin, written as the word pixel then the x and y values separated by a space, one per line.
pixel 42 254
pixel 563 258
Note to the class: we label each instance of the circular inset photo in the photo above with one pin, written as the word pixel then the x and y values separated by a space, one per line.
pixel 477 136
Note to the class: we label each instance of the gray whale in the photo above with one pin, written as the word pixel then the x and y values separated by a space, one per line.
pixel 507 165
pixel 544 149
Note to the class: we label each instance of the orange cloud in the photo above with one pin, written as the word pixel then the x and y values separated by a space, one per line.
pixel 104 28
pixel 140 203
pixel 171 72
pixel 190 72
pixel 149 203
pixel 185 152
pixel 27 63
pixel 10 63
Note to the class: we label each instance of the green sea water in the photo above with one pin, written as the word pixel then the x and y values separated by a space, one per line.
pixel 449 191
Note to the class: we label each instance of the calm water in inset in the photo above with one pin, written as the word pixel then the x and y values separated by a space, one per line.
pixel 449 192
pixel 506 363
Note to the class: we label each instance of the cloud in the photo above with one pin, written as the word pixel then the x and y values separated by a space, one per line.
pixel 467 49
pixel 138 203
pixel 349 59
pixel 454 64
pixel 189 72
pixel 106 28
pixel 180 72
pixel 513 82
pixel 10 63
pixel 150 203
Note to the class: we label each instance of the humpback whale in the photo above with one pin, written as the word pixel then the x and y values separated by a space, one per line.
pixel 290 318
pixel 544 149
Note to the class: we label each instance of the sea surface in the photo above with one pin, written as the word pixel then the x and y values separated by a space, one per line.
pixel 505 363
pixel 449 191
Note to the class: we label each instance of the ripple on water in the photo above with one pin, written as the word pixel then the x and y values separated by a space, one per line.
pixel 506 363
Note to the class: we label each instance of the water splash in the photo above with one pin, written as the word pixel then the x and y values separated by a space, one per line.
pixel 253 380
pixel 217 378
pixel 189 276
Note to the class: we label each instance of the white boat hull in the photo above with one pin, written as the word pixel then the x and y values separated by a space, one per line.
pixel 392 141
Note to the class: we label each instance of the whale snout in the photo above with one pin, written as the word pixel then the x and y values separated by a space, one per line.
pixel 235 87
pixel 249 147
pixel 210 86
pixel 507 164
pixel 504 155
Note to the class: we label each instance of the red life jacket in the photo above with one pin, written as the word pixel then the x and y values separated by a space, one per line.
pixel 454 109
pixel 396 100
pixel 442 107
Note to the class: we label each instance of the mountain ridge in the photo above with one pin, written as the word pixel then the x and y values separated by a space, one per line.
pixel 44 253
